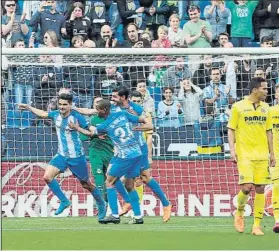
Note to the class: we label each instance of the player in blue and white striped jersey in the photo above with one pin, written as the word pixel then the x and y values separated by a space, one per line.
pixel 120 98
pixel 70 152
pixel 127 162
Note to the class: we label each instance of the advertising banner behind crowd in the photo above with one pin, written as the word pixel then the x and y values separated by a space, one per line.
pixel 195 188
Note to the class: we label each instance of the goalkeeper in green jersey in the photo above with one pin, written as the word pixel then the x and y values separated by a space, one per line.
pixel 100 152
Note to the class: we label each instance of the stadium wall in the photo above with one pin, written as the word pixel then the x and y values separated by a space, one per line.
pixel 195 188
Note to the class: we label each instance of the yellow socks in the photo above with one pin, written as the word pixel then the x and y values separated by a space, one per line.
pixel 139 190
pixel 259 204
pixel 275 200
pixel 241 202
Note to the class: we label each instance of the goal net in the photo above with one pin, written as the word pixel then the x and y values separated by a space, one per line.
pixel 188 92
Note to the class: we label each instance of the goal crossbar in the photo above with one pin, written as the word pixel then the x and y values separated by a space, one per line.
pixel 139 51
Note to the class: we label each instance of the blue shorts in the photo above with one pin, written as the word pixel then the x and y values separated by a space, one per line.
pixel 78 166
pixel 112 160
pixel 130 168
pixel 144 163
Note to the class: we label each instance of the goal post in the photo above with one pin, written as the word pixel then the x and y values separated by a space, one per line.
pixel 190 147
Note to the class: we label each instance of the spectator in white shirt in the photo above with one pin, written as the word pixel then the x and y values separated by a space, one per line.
pixel 190 96
pixel 169 110
pixel 175 32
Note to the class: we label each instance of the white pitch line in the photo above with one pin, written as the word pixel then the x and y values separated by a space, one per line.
pixel 124 228
pixel 92 217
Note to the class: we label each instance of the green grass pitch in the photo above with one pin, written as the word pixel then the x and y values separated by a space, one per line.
pixel 179 233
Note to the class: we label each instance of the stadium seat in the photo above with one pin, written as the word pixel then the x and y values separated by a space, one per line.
pixel 254 44
pixel 208 137
pixel 156 94
pixel 19 119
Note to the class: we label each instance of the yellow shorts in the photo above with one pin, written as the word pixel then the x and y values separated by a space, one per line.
pixel 275 171
pixel 253 171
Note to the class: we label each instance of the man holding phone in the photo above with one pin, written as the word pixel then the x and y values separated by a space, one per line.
pixel 48 19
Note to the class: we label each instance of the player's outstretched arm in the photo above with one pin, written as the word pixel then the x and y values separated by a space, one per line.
pixel 270 147
pixel 86 111
pixel 76 127
pixel 37 112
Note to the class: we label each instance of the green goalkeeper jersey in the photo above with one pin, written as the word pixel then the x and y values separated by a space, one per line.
pixel 98 142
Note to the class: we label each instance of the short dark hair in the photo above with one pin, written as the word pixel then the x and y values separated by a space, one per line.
pixel 168 88
pixel 132 24
pixel 124 92
pixel 66 96
pixel 193 7
pixel 266 39
pixel 104 104
pixel 141 81
pixel 136 94
pixel 17 41
pixel 223 34
pixel 214 69
pixel 255 83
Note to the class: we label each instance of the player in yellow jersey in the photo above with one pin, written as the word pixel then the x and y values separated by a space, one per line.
pixel 275 170
pixel 136 97
pixel 251 147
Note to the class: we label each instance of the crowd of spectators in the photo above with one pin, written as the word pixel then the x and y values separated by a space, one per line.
pixel 190 91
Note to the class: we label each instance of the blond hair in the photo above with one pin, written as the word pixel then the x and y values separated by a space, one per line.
pixel 163 28
pixel 174 16
pixel 53 37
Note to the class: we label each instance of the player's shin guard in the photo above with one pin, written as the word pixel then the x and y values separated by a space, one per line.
pixel 275 200
pixel 112 200
pixel 122 191
pixel 134 198
pixel 139 190
pixel 56 189
pixel 259 204
pixel 155 187
pixel 241 202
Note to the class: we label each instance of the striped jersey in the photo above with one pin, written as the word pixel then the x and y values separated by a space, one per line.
pixel 69 143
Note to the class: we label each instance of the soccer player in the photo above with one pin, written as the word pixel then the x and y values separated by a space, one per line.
pixel 117 127
pixel 136 98
pixel 120 98
pixel 275 170
pixel 251 147
pixel 100 151
pixel 70 152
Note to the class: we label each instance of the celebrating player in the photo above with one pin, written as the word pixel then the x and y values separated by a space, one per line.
pixel 128 159
pixel 275 170
pixel 70 152
pixel 100 152
pixel 250 140
pixel 120 98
